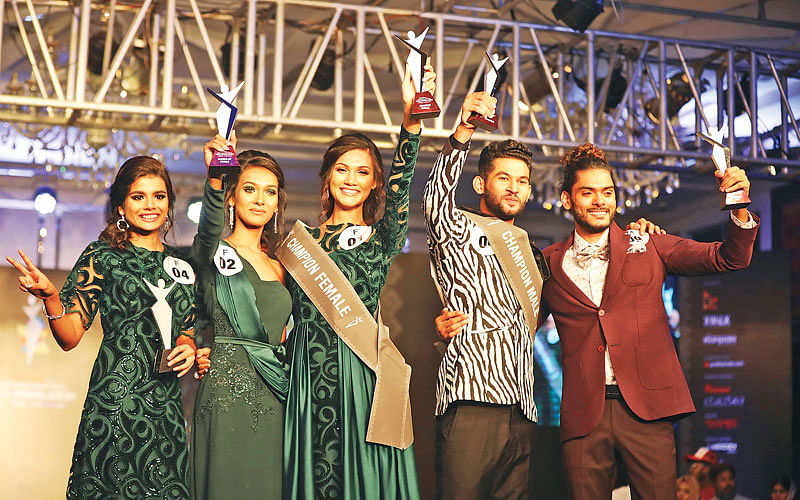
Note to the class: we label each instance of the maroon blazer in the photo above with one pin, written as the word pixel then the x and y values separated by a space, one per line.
pixel 632 320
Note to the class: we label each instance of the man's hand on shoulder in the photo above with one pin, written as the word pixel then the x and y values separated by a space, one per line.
pixel 644 226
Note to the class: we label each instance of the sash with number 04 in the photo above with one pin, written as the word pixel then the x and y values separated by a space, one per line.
pixel 337 301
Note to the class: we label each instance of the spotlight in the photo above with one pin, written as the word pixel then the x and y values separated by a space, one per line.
pixel 577 14
pixel 323 78
pixel 97 47
pixel 44 200
pixel 738 104
pixel 678 94
pixel 193 209
pixel 616 88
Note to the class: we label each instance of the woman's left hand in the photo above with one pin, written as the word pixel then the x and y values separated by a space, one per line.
pixel 181 359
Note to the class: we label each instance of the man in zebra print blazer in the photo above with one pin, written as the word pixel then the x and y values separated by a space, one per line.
pixel 484 392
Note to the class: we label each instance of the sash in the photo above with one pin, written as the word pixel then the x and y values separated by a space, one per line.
pixel 512 248
pixel 334 296
pixel 238 299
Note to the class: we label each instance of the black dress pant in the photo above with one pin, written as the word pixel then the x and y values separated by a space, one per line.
pixel 482 452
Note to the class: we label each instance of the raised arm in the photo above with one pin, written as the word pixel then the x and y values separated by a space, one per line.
pixel 212 215
pixel 439 198
pixel 690 258
pixel 395 216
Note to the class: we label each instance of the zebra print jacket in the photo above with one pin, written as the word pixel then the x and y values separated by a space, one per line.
pixel 491 361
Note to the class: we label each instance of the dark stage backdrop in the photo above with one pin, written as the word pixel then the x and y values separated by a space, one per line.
pixel 736 351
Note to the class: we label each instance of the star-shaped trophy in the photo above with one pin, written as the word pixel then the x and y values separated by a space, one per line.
pixel 225 162
pixel 492 84
pixel 721 156
pixel 424 105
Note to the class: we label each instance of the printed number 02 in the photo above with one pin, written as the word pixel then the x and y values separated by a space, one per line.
pixel 226 263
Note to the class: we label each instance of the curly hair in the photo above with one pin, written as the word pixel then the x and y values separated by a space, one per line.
pixel 503 149
pixel 374 204
pixel 128 173
pixel 583 157
pixel 252 159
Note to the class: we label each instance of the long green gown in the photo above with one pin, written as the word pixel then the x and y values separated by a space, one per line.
pixel 326 455
pixel 131 439
pixel 237 431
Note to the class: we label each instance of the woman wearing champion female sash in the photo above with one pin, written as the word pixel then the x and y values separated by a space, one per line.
pixel 326 452
pixel 237 431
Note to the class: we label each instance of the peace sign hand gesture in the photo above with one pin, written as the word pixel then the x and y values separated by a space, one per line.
pixel 33 281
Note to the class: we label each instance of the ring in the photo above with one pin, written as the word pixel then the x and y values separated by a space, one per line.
pixel 196 376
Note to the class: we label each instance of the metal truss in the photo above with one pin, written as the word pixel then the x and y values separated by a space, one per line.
pixel 561 88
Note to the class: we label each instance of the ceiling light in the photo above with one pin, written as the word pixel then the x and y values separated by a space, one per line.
pixel 44 200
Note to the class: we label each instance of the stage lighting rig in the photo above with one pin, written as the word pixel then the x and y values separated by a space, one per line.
pixel 577 14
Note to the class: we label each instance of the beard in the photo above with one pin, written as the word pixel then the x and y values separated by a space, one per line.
pixel 495 205
pixel 584 221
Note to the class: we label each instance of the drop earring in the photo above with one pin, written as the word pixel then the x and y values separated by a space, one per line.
pixel 120 222
pixel 230 216
pixel 275 224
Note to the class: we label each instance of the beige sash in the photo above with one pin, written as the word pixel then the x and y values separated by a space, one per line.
pixel 340 305
pixel 512 248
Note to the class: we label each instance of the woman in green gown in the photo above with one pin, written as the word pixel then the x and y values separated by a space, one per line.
pixel 237 430
pixel 131 439
pixel 326 455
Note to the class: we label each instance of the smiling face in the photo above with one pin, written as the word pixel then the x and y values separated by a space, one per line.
pixel 147 204
pixel 352 179
pixel 505 189
pixel 256 197
pixel 592 200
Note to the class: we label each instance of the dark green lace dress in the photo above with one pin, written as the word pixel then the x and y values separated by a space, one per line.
pixel 131 439
pixel 330 390
pixel 237 431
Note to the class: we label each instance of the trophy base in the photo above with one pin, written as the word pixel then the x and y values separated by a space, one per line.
pixel 223 163
pixel 479 121
pixel 735 200
pixel 424 106
pixel 160 365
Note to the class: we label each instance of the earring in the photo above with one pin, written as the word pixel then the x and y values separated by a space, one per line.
pixel 121 221
pixel 275 224
pixel 230 215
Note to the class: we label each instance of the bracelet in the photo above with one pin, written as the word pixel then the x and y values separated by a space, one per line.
pixel 53 318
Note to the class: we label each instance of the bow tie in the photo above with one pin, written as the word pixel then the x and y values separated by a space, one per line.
pixel 585 256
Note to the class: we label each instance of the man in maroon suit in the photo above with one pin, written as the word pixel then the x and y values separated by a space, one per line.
pixel 623 384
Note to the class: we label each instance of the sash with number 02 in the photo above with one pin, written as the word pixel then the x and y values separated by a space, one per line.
pixel 337 301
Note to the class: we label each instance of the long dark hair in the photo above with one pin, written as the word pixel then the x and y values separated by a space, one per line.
pixel 373 206
pixel 270 235
pixel 129 172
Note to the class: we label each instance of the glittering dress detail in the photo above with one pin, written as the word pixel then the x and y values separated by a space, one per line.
pixel 324 369
pixel 131 440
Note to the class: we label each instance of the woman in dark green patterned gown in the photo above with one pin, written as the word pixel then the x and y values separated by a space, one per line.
pixel 131 439
pixel 237 431
pixel 326 455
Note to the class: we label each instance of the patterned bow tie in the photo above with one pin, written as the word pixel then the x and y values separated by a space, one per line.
pixel 585 256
